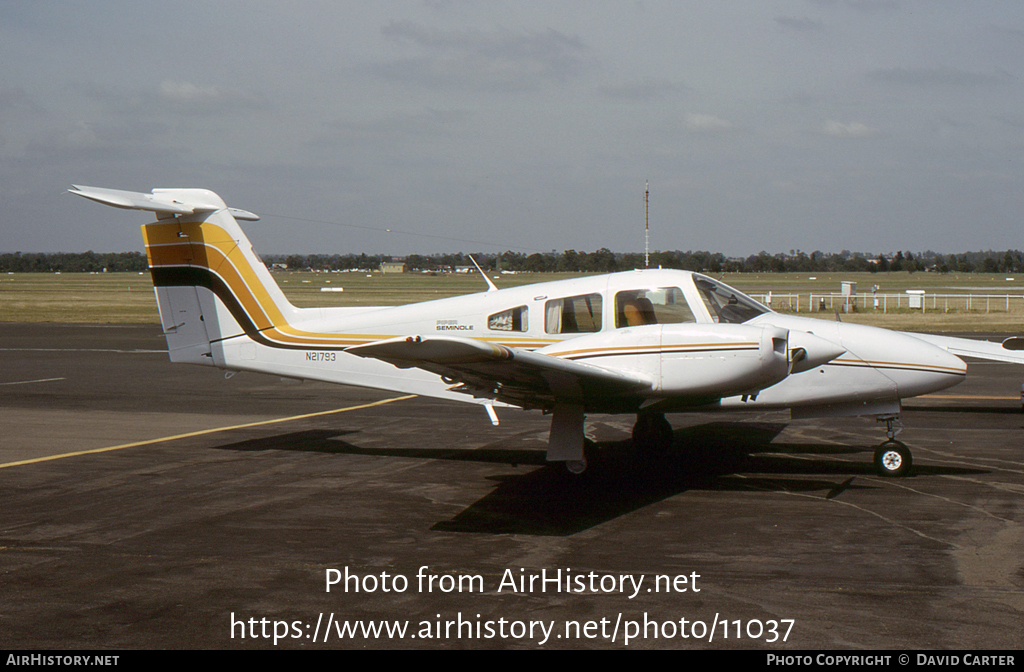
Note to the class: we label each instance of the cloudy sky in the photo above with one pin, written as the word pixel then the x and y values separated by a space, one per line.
pixel 871 125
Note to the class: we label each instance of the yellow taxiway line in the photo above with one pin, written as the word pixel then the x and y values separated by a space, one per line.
pixel 205 431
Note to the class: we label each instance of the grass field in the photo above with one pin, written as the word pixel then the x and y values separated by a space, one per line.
pixel 128 297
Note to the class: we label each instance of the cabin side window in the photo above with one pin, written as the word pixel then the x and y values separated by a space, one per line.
pixel 573 314
pixel 513 319
pixel 665 305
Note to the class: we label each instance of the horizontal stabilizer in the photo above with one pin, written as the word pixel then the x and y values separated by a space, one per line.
pixel 162 201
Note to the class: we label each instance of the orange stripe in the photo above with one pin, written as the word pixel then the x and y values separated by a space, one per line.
pixel 210 247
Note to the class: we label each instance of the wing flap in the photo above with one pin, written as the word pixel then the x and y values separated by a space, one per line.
pixel 411 351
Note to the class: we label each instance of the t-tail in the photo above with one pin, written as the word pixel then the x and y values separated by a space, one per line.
pixel 210 285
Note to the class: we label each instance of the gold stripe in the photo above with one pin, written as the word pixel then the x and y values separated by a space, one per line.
pixel 162 234
pixel 170 254
pixel 242 280
pixel 210 247
pixel 261 309
pixel 203 432
pixel 515 343
pixel 658 348
pixel 871 363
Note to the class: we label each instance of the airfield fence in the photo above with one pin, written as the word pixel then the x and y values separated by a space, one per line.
pixel 884 303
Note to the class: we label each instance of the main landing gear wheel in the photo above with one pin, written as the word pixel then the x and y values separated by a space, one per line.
pixel 576 467
pixel 893 459
pixel 576 470
pixel 652 432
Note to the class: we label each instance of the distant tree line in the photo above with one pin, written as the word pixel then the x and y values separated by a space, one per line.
pixel 606 261
pixel 72 262
pixel 571 261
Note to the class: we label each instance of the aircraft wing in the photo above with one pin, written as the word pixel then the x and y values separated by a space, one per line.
pixel 519 377
pixel 1010 350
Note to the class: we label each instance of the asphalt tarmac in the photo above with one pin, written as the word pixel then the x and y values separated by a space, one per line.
pixel 148 505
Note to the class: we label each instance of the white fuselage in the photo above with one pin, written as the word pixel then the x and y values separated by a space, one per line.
pixel 646 342
pixel 877 367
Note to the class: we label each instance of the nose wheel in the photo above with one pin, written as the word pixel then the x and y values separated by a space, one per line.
pixel 893 459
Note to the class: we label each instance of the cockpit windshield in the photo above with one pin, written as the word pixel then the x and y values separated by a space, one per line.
pixel 725 303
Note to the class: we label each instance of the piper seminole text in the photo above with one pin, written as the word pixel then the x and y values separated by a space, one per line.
pixel 523 581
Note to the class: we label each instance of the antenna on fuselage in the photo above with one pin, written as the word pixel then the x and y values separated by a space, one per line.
pixel 490 285
pixel 647 227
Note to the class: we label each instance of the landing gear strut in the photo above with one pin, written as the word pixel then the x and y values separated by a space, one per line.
pixel 892 458
pixel 652 432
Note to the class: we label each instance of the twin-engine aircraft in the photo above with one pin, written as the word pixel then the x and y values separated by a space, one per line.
pixel 645 342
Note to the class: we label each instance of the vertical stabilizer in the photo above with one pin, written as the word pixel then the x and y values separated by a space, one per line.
pixel 210 285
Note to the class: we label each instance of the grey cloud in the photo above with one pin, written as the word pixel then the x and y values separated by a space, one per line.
pixel 1007 31
pixel 1012 122
pixel 649 89
pixel 177 97
pixel 95 141
pixel 942 76
pixel 861 5
pixel 483 60
pixel 398 128
pixel 872 5
pixel 16 99
pixel 853 129
pixel 707 124
pixel 190 98
pixel 399 113
pixel 803 25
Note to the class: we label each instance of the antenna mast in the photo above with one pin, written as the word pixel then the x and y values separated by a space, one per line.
pixel 647 228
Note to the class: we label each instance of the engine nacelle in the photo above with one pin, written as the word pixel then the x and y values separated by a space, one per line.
pixel 690 360
pixel 722 359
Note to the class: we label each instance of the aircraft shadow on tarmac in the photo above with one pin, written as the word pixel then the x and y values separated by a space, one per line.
pixel 948 408
pixel 619 479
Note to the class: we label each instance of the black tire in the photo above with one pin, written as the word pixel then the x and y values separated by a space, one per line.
pixel 578 471
pixel 576 468
pixel 652 433
pixel 893 459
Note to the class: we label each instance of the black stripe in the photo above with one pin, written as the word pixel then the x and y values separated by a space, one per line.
pixel 197 276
